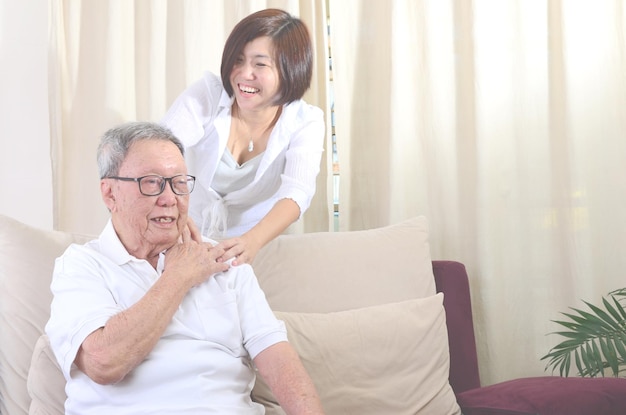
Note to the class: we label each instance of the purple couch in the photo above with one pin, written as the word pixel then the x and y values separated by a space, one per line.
pixel 544 395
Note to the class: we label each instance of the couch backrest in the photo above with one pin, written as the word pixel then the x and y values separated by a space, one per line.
pixel 325 271
pixel 27 257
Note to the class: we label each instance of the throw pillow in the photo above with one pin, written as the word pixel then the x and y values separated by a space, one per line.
pixel 320 272
pixel 385 359
pixel 46 384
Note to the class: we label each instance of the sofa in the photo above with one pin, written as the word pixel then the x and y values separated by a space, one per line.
pixel 381 327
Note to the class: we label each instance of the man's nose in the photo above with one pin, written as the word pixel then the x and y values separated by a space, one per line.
pixel 167 197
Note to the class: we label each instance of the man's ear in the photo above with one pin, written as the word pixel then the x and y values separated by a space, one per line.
pixel 108 196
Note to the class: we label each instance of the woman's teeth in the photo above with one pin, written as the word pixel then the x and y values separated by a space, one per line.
pixel 248 89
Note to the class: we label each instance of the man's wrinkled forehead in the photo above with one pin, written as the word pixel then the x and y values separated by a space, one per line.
pixel 153 156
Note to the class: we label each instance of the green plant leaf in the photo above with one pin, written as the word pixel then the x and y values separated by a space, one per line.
pixel 605 317
pixel 579 365
pixel 567 324
pixel 608 351
pixel 620 346
pixel 620 292
pixel 597 355
pixel 596 339
pixel 594 322
pixel 620 309
pixel 588 360
pixel 613 358
pixel 587 322
pixel 585 353
pixel 613 310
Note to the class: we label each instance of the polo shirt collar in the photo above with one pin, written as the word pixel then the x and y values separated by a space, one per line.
pixel 112 248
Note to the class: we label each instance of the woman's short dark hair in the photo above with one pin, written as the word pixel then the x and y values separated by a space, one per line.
pixel 293 52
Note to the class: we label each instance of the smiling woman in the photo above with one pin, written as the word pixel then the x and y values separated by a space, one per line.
pixel 252 141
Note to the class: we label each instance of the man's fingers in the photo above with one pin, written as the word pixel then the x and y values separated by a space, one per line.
pixel 194 232
pixel 186 234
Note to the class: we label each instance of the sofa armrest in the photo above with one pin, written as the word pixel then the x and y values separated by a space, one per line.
pixel 552 395
pixel 451 279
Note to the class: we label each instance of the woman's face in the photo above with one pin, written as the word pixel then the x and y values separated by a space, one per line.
pixel 254 78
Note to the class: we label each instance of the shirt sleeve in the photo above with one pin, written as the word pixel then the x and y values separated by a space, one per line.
pixel 194 109
pixel 260 327
pixel 81 304
pixel 303 158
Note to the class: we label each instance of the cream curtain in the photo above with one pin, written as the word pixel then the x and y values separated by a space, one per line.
pixel 113 61
pixel 502 121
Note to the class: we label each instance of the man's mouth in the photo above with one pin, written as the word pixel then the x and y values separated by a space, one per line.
pixel 164 219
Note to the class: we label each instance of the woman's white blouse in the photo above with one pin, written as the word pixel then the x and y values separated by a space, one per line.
pixel 200 117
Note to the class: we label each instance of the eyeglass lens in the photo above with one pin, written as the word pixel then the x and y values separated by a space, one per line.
pixel 154 185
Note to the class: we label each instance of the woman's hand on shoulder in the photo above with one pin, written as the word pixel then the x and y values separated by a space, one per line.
pixel 241 249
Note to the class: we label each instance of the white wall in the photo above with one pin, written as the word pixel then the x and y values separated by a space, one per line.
pixel 25 168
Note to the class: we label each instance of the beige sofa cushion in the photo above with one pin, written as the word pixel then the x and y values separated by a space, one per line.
pixel 326 271
pixel 385 359
pixel 27 257
pixel 46 383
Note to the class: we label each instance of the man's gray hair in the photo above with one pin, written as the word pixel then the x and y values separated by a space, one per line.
pixel 116 142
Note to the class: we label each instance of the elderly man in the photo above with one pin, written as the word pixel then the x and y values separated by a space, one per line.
pixel 147 320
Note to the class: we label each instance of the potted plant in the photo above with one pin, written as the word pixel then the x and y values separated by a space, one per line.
pixel 595 340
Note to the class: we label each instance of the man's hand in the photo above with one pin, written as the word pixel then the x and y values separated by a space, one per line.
pixel 193 230
pixel 194 262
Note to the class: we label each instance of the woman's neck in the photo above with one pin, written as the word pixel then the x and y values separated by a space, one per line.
pixel 259 120
pixel 250 131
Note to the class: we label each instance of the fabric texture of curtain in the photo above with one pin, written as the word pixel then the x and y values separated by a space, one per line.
pixel 114 61
pixel 503 122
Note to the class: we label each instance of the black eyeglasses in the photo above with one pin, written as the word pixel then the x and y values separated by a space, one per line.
pixel 153 185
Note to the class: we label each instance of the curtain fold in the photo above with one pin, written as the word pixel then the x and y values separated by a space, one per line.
pixel 503 123
pixel 113 61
